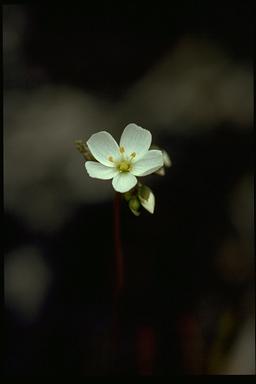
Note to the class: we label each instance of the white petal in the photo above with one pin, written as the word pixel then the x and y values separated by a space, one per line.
pixel 102 145
pixel 123 182
pixel 149 204
pixel 100 171
pixel 135 139
pixel 151 162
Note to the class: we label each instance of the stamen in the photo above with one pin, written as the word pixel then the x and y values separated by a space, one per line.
pixel 121 149
pixel 132 155
pixel 110 158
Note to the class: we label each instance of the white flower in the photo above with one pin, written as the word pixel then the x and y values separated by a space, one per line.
pixel 123 162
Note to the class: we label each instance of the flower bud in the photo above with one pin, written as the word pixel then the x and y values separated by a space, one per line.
pixel 166 157
pixel 149 203
pixel 160 172
pixel 128 195
pixel 134 206
pixel 84 150
pixel 144 192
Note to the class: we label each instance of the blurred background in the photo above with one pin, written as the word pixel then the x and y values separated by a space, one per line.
pixel 184 73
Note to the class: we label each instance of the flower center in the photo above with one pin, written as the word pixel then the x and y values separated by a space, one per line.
pixel 124 166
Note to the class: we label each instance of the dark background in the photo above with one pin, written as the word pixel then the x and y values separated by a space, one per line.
pixel 187 306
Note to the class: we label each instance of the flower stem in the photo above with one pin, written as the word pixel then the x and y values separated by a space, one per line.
pixel 118 284
pixel 119 264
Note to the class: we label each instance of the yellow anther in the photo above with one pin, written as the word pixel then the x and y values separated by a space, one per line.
pixel 121 149
pixel 110 158
pixel 133 155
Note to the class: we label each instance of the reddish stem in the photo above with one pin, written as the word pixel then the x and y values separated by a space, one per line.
pixel 119 280
pixel 118 247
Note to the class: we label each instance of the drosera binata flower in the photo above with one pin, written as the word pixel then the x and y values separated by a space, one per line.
pixel 133 157
pixel 124 162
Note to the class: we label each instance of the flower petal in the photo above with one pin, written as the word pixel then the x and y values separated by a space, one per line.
pixel 100 171
pixel 123 182
pixel 102 145
pixel 151 162
pixel 136 140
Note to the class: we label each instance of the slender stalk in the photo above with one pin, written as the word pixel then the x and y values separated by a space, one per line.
pixel 119 263
pixel 118 284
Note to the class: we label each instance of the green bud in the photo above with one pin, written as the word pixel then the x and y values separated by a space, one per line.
pixel 136 213
pixel 127 195
pixel 134 206
pixel 144 192
pixel 147 198
pixel 134 203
